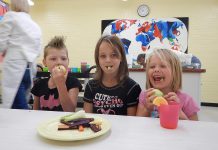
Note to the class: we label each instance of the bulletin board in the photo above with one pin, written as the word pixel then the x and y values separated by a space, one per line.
pixel 141 36
pixel 3 9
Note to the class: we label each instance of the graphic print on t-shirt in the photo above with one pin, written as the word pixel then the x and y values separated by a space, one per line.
pixel 50 103
pixel 106 103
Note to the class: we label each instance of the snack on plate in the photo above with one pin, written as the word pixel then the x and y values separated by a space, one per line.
pixel 79 114
pixel 79 121
pixel 61 68
pixel 160 101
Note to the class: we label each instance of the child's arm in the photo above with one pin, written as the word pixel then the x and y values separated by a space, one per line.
pixel 172 96
pixel 131 111
pixel 194 117
pixel 145 105
pixel 36 103
pixel 142 111
pixel 183 116
pixel 88 107
pixel 67 99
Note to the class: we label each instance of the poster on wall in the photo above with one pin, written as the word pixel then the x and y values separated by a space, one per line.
pixel 3 9
pixel 141 36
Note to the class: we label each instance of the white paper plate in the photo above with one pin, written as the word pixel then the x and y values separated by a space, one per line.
pixel 49 129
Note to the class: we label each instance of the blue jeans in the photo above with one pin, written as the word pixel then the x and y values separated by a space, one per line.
pixel 20 101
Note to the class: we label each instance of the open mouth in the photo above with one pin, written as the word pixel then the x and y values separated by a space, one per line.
pixel 108 67
pixel 158 78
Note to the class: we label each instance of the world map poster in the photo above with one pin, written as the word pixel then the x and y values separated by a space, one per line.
pixel 141 36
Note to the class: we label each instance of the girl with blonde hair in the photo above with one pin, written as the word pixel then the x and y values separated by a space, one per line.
pixel 164 72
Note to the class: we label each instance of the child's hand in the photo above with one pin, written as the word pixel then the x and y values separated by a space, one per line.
pixel 172 96
pixel 60 68
pixel 149 99
pixel 58 75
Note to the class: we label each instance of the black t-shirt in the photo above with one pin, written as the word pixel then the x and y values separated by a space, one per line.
pixel 112 100
pixel 49 98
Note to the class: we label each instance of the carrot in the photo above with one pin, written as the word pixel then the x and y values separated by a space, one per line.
pixel 81 128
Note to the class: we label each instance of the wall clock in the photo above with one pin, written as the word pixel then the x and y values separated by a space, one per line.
pixel 143 10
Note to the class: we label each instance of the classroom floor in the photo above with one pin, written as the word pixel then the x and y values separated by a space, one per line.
pixel 208 114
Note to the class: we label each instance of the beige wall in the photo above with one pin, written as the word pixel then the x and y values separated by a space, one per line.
pixel 80 22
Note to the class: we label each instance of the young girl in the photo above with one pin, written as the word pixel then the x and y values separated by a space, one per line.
pixel 164 72
pixel 58 92
pixel 111 91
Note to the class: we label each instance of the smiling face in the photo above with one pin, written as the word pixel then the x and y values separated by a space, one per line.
pixel 160 73
pixel 109 59
pixel 163 71
pixel 56 57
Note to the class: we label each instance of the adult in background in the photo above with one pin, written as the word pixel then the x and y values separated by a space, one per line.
pixel 20 38
pixel 141 60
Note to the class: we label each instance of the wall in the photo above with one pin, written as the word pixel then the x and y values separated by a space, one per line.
pixel 80 22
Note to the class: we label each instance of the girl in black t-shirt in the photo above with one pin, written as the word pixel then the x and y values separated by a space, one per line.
pixel 111 91
pixel 58 92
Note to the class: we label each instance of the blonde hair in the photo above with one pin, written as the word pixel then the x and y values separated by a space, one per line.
pixel 57 42
pixel 175 65
pixel 20 6
pixel 117 45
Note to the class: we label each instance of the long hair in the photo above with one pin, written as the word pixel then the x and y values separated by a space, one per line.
pixel 117 45
pixel 175 65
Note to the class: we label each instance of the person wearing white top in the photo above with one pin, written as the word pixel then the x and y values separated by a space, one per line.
pixel 20 40
pixel 186 59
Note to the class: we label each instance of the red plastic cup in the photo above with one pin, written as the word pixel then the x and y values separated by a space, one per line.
pixel 169 115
